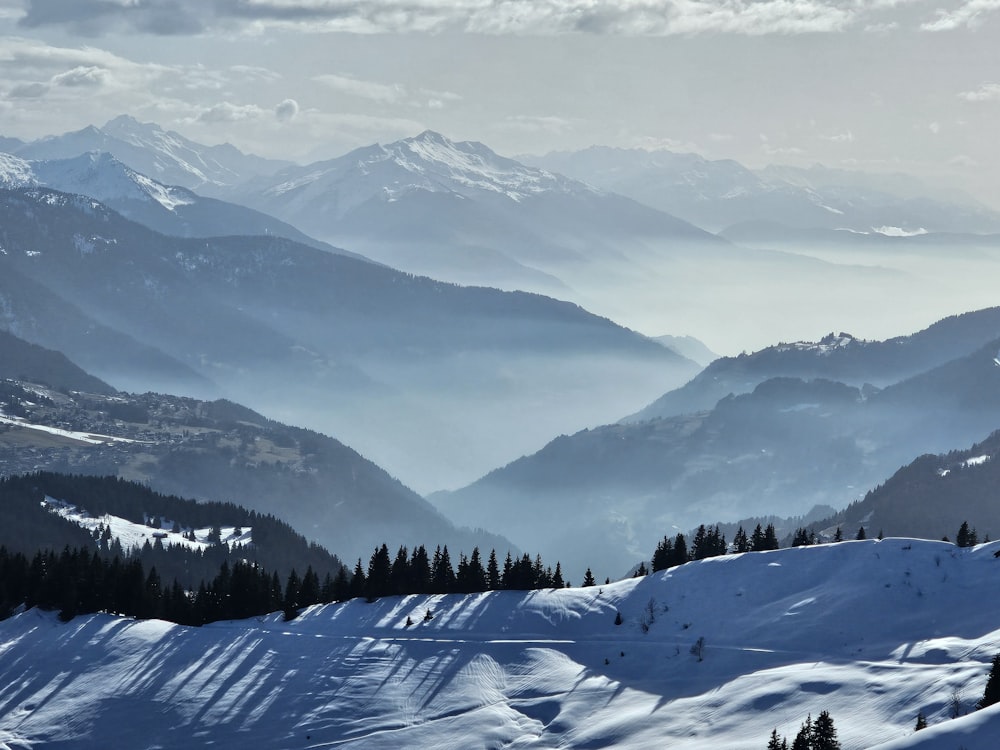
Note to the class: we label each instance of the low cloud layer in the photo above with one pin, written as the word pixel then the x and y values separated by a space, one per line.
pixel 620 17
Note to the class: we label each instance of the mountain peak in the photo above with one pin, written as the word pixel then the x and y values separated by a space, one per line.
pixel 127 123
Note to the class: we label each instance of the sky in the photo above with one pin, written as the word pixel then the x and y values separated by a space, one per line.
pixel 881 85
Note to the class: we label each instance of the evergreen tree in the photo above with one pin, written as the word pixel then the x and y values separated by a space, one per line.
pixel 740 541
pixel 991 694
pixel 824 734
pixel 291 600
pixel 492 572
pixel 379 580
pixel 776 742
pixel 803 740
pixel 310 590
pixel 588 578
pixel 839 536
pixel 557 579
pixel 476 573
pixel 966 536
pixel 663 555
pixel 921 722
pixel 442 574
pixel 680 550
pixel 861 534
pixel 357 581
pixel 420 571
pixel 399 576
pixel 757 539
pixel 770 537
pixel 801 537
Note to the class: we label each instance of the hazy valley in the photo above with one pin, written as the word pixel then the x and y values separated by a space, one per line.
pixel 220 370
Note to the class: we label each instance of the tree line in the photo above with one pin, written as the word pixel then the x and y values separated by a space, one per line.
pixel 86 580
pixel 709 541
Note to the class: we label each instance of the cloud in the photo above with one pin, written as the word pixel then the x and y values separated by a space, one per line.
pixel 228 112
pixel 987 92
pixel 28 91
pixel 82 75
pixel 845 137
pixel 386 93
pixel 350 86
pixel 287 110
pixel 621 17
pixel 536 124
pixel 969 14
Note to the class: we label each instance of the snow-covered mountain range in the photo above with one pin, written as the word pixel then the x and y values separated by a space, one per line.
pixel 460 212
pixel 163 155
pixel 712 654
pixel 165 208
pixel 716 194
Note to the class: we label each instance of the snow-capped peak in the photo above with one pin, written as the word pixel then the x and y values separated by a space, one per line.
pixel 99 175
pixel 437 163
pixel 15 172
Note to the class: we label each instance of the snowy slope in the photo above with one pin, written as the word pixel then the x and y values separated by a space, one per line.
pixel 872 632
pixel 132 535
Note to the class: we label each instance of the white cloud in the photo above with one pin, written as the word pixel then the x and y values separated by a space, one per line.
pixel 82 75
pixel 287 110
pixel 845 137
pixel 386 93
pixel 350 86
pixel 623 17
pixel 535 124
pixel 968 14
pixel 229 112
pixel 934 127
pixel 987 92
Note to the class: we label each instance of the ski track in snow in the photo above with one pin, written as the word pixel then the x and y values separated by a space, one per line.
pixel 871 631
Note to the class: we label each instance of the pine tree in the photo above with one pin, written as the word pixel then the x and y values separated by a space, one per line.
pixel 803 740
pixel 379 580
pixel 588 578
pixel 921 722
pixel 770 537
pixel 757 539
pixel 861 534
pixel 291 601
pixel 776 742
pixel 991 694
pixel 557 578
pixel 492 572
pixel 740 541
pixel 824 734
pixel 839 536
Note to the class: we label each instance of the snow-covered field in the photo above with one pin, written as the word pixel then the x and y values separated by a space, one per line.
pixel 131 534
pixel 872 631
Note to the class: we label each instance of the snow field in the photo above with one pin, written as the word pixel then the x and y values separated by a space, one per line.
pixel 871 631
pixel 136 535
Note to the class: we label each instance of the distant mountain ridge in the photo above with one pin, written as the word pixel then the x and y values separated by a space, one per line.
pixel 168 209
pixel 379 357
pixel 787 445
pixel 839 357
pixel 716 194
pixel 435 206
pixel 163 155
